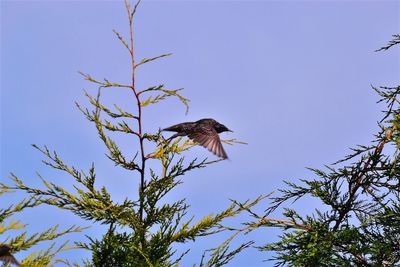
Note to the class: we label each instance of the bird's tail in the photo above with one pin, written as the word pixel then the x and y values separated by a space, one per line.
pixel 170 129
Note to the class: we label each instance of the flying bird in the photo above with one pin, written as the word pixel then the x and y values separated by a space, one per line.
pixel 205 132
pixel 6 256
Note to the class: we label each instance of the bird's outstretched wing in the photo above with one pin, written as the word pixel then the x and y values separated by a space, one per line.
pixel 210 140
pixel 8 258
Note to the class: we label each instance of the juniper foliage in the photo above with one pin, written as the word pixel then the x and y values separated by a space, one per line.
pixel 359 224
pixel 142 230
pixel 23 241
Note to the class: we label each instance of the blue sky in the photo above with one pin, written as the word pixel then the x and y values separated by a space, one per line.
pixel 291 78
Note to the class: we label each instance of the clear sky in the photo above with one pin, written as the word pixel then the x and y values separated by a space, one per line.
pixel 292 78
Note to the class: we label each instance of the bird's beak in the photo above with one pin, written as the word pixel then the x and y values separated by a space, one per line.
pixel 230 131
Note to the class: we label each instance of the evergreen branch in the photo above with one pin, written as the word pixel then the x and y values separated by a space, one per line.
pixel 176 262
pixel 105 83
pixel 148 226
pixel 146 60
pixel 155 190
pixel 144 256
pixel 166 93
pixel 280 223
pixel 123 113
pixel 115 153
pixel 135 8
pixel 91 204
pixel 23 204
pixel 121 127
pixel 179 169
pixel 356 229
pixel 389 96
pixel 359 257
pixel 142 168
pixel 122 40
pixel 393 42
pixel 165 150
pixel 221 254
pixel 295 191
pixel 45 257
pixel 357 151
pixel 96 103
pixel 4 189
pixel 23 242
pixel 370 162
pixel 68 263
pixel 233 141
pixel 211 224
pixel 12 225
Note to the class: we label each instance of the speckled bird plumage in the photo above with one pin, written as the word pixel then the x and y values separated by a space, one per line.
pixel 205 132
pixel 6 256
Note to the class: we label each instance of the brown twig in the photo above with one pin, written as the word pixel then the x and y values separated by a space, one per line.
pixel 140 132
pixel 359 179
pixel 359 257
pixel 285 222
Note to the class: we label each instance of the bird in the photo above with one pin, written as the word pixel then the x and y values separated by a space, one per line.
pixel 205 132
pixel 6 256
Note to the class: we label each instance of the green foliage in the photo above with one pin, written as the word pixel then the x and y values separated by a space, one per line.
pixel 117 249
pixel 394 41
pixel 359 226
pixel 360 221
pixel 23 241
pixel 142 230
pixel 165 93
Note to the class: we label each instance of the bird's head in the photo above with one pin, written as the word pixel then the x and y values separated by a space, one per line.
pixel 221 128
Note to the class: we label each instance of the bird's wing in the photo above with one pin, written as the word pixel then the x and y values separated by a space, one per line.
pixel 174 128
pixel 181 127
pixel 210 140
pixel 8 258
